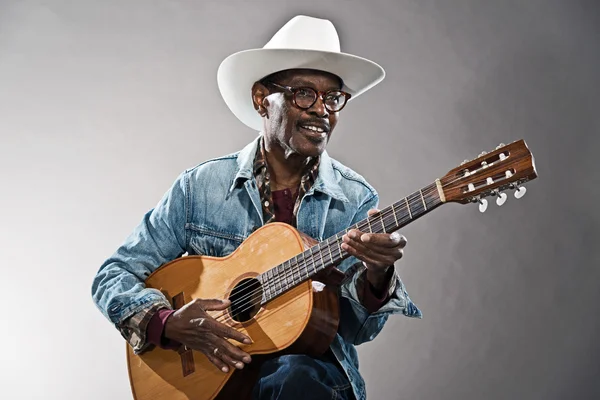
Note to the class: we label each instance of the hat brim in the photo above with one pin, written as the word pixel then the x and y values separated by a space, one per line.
pixel 238 72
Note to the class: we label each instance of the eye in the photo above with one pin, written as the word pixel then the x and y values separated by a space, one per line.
pixel 333 97
pixel 305 93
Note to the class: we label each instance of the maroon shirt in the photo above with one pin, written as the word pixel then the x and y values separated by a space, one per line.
pixel 283 202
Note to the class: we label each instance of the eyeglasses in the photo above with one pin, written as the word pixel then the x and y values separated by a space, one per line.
pixel 305 97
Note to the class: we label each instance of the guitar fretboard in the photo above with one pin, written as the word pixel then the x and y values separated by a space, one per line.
pixel 329 252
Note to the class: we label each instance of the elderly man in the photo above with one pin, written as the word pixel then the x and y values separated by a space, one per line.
pixel 293 91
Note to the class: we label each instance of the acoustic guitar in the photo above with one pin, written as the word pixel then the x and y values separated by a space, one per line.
pixel 270 281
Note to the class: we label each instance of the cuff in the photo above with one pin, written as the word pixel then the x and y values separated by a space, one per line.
pixel 370 299
pixel 156 328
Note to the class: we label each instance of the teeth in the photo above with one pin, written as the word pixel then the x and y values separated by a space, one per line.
pixel 314 129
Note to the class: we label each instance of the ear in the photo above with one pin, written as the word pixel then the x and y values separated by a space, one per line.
pixel 259 94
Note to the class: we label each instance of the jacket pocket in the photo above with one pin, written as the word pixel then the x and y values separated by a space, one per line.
pixel 213 243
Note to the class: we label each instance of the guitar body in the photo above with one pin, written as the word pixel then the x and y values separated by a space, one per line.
pixel 301 320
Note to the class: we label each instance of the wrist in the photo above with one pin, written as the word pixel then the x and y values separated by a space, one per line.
pixel 168 329
pixel 377 277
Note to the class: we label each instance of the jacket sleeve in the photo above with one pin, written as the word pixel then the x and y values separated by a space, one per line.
pixel 118 288
pixel 357 325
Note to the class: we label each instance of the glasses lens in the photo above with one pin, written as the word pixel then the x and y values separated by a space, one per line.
pixel 305 97
pixel 334 101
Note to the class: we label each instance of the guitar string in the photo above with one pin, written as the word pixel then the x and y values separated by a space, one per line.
pixel 282 277
pixel 296 265
pixel 290 271
pixel 327 260
pixel 387 218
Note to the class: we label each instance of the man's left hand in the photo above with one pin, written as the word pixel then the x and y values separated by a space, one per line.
pixel 378 251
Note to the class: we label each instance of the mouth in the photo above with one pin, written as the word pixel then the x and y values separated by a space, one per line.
pixel 314 131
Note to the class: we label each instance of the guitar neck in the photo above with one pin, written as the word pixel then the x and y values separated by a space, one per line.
pixel 329 252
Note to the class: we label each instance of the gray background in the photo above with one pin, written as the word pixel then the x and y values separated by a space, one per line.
pixel 104 103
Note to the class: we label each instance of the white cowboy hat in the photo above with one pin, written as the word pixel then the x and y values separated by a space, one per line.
pixel 304 42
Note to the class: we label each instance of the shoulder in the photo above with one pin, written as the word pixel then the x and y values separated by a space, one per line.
pixel 353 184
pixel 221 165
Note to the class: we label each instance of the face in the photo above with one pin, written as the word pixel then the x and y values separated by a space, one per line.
pixel 288 128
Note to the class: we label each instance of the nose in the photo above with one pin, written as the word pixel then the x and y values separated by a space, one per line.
pixel 318 108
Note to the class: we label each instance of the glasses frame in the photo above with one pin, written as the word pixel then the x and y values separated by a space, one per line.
pixel 320 94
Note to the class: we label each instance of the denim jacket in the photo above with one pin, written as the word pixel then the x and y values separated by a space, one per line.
pixel 211 209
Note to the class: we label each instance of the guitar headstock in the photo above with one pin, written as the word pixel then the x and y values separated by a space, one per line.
pixel 507 167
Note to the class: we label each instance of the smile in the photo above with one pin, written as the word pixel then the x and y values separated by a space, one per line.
pixel 313 128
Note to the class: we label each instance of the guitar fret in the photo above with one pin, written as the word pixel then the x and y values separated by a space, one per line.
pixel 338 241
pixel 265 284
pixel 321 255
pixel 423 199
pixel 288 272
pixel 369 223
pixel 305 265
pixel 382 223
pixel 301 267
pixel 395 218
pixel 408 207
pixel 298 263
pixel 270 289
pixel 281 277
pixel 313 260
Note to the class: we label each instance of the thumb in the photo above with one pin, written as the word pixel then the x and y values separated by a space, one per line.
pixel 214 304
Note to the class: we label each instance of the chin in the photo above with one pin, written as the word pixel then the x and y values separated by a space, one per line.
pixel 309 148
pixel 312 150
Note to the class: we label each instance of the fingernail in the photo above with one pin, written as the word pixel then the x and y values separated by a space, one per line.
pixel 395 236
pixel 225 369
pixel 247 360
pixel 248 341
pixel 239 365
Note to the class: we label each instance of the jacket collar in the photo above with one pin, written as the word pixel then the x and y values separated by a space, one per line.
pixel 326 181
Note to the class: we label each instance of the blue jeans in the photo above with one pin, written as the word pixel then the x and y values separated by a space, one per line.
pixel 292 377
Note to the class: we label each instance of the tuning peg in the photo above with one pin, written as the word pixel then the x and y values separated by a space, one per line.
pixel 520 192
pixel 501 199
pixel 483 153
pixel 483 205
pixel 464 162
pixel 500 146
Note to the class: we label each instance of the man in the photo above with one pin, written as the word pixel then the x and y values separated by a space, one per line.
pixel 292 91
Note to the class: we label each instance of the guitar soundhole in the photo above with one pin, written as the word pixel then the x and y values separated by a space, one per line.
pixel 245 299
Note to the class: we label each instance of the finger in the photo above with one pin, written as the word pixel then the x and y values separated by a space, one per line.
pixel 214 304
pixel 228 360
pixel 223 330
pixel 371 248
pixel 379 259
pixel 233 352
pixel 393 239
pixel 380 239
pixel 372 211
pixel 217 362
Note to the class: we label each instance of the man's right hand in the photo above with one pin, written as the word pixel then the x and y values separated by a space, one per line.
pixel 194 328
